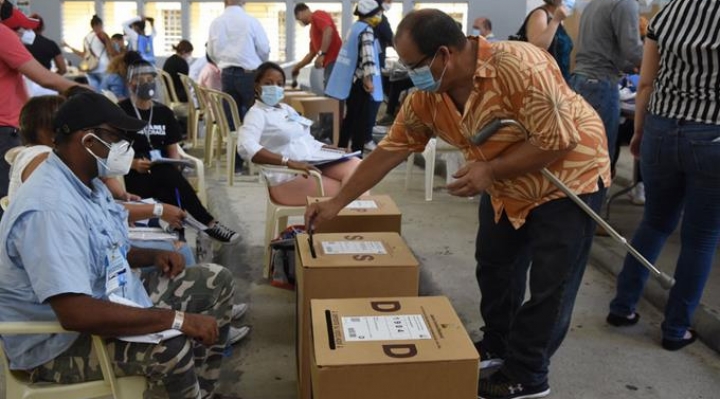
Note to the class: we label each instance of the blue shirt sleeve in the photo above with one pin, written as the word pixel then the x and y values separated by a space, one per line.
pixel 53 251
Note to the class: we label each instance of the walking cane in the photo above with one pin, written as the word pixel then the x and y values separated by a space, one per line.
pixel 480 137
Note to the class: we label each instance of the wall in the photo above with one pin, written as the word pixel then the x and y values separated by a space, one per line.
pixel 506 15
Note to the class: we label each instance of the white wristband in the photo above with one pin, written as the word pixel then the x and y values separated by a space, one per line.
pixel 284 161
pixel 158 210
pixel 178 320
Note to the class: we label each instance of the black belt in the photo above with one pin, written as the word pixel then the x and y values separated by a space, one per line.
pixel 240 69
pixel 11 129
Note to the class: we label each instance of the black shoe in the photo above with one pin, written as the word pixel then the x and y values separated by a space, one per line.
pixel 673 345
pixel 622 321
pixel 498 386
pixel 222 233
pixel 488 360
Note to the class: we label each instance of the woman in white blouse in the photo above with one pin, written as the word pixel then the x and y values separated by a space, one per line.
pixel 275 134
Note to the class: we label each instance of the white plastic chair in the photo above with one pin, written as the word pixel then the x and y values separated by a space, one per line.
pixel 430 154
pixel 216 101
pixel 5 203
pixel 18 385
pixel 199 185
pixel 170 97
pixel 277 214
pixel 110 95
pixel 196 108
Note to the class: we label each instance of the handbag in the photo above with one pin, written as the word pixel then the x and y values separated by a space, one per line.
pixel 282 258
pixel 90 61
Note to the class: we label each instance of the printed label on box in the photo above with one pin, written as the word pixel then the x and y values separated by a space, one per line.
pixel 385 328
pixel 362 204
pixel 353 247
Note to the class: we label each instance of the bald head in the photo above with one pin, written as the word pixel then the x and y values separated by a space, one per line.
pixel 430 29
pixel 483 25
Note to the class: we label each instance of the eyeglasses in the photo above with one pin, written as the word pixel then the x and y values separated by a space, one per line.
pixel 116 134
pixel 417 64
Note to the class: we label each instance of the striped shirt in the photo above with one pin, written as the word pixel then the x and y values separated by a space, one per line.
pixel 366 62
pixel 520 81
pixel 688 81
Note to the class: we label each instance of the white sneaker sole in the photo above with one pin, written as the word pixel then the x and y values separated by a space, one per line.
pixel 238 335
pixel 238 311
pixel 530 396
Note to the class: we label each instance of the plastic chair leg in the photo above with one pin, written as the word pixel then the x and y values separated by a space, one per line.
pixel 269 233
pixel 408 169
pixel 429 155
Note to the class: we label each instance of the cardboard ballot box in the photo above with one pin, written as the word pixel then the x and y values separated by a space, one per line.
pixel 399 348
pixel 366 214
pixel 355 265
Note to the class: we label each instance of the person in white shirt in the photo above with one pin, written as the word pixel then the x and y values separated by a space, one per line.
pixel 275 134
pixel 483 27
pixel 98 43
pixel 238 44
pixel 134 29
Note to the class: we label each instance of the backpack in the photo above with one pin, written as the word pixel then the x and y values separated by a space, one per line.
pixel 521 34
pixel 282 258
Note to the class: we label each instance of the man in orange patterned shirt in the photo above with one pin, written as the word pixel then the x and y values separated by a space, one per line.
pixel 464 83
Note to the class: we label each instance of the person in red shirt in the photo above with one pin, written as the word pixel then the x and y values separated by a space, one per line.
pixel 16 61
pixel 325 41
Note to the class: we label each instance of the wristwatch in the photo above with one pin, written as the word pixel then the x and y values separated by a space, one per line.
pixel 321 53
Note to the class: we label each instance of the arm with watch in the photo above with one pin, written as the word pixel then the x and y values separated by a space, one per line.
pixel 326 41
pixel 173 215
pixel 267 157
pixel 85 314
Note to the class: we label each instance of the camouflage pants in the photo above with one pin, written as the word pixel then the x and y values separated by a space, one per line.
pixel 176 368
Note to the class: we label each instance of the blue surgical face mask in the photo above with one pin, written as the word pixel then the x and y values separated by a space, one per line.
pixel 271 94
pixel 423 78
pixel 570 5
pixel 475 32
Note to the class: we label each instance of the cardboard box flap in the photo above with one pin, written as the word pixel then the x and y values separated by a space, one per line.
pixel 355 249
pixel 388 331
pixel 365 206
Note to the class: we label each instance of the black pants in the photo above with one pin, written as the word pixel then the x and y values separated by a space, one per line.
pixel 240 84
pixel 396 88
pixel 359 119
pixel 162 183
pixel 556 238
pixel 9 138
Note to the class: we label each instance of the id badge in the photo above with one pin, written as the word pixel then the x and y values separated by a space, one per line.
pixel 305 122
pixel 155 155
pixel 117 273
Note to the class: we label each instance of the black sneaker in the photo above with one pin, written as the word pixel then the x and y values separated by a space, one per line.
pixel 622 321
pixel 222 233
pixel 488 360
pixel 498 386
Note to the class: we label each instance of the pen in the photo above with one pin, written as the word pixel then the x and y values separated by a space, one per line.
pixel 177 198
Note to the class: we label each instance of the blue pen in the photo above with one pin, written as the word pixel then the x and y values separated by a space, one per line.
pixel 177 198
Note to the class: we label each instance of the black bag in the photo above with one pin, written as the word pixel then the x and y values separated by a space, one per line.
pixel 282 258
pixel 521 34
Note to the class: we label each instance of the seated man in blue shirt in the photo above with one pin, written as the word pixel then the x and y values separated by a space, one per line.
pixel 66 257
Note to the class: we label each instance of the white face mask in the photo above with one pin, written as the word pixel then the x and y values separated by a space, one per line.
pixel 27 37
pixel 645 3
pixel 386 6
pixel 119 158
pixel 569 5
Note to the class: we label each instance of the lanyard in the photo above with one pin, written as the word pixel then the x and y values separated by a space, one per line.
pixel 147 128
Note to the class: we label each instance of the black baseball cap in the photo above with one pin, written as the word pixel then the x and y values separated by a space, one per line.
pixel 89 109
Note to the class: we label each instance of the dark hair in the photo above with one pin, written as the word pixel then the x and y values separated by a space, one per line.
pixel 265 67
pixel 132 57
pixel 140 25
pixel 429 29
pixel 300 7
pixel 41 24
pixel 486 24
pixel 38 114
pixel 95 21
pixel 183 46
pixel 118 36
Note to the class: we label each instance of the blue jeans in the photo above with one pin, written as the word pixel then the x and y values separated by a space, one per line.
pixel 556 238
pixel 95 80
pixel 9 138
pixel 604 96
pixel 680 163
